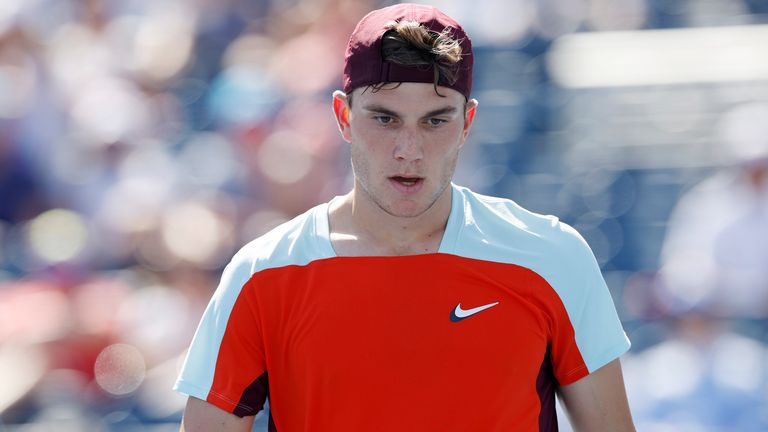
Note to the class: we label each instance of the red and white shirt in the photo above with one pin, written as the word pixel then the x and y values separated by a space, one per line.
pixel 474 337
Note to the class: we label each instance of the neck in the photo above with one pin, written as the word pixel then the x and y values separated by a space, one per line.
pixel 361 227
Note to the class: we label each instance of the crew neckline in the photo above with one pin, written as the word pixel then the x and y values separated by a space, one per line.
pixel 447 243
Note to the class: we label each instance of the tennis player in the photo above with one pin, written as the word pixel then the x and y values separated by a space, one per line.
pixel 410 303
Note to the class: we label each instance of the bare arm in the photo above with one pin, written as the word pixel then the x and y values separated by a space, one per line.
pixel 203 416
pixel 598 402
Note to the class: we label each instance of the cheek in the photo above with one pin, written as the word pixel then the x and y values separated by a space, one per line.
pixel 366 155
pixel 369 134
pixel 371 143
pixel 445 143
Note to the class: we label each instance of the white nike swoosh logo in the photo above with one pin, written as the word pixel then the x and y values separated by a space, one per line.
pixel 459 313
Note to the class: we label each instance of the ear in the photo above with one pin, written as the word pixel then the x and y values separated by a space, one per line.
pixel 469 117
pixel 341 112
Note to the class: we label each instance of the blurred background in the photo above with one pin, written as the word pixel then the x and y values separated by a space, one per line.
pixel 142 142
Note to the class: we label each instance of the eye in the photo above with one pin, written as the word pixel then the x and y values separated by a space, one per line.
pixel 384 119
pixel 435 122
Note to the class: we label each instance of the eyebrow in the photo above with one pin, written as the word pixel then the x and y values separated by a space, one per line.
pixel 436 112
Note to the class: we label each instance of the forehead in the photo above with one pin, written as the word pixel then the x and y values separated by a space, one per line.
pixel 408 97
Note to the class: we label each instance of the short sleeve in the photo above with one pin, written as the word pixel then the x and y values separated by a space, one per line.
pixel 591 335
pixel 225 364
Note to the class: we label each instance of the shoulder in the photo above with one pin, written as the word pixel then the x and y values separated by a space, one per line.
pixel 502 217
pixel 295 242
pixel 499 229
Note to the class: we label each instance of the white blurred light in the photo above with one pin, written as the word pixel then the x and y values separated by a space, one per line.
pixel 110 110
pixel 153 162
pixel 43 18
pixel 17 85
pixel 21 367
pixel 147 177
pixel 77 57
pixel 252 50
pixel 673 370
pixel 119 369
pixel 491 21
pixel 284 157
pixel 151 319
pixel 57 235
pixel 502 21
pixel 9 9
pixel 120 33
pixel 314 50
pixel 164 43
pixel 195 233
pixel 689 278
pixel 133 205
pixel 744 129
pixel 657 57
pixel 209 159
pixel 739 363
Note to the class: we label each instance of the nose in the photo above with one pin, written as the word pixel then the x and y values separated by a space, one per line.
pixel 408 146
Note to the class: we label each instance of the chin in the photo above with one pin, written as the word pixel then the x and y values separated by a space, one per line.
pixel 407 209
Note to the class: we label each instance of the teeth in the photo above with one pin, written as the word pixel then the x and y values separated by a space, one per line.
pixel 407 181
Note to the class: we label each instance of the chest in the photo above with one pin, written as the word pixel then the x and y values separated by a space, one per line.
pixel 422 318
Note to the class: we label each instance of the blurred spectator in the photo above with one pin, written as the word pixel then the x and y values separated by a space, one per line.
pixel 714 288
pixel 715 254
pixel 702 377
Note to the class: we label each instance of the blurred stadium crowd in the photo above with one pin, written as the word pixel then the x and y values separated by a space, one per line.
pixel 143 141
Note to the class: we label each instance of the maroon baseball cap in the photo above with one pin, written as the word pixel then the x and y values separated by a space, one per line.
pixel 363 62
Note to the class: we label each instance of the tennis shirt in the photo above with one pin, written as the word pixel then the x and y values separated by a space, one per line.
pixel 475 337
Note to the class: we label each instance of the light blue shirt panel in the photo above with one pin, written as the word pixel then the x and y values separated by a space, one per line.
pixel 292 243
pixel 499 230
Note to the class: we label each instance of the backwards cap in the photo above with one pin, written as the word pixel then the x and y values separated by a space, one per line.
pixel 363 62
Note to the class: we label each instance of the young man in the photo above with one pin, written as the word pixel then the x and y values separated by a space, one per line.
pixel 410 303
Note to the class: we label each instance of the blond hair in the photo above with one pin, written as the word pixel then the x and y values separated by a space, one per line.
pixel 408 43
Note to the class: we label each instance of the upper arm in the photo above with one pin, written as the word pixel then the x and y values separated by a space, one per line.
pixel 598 401
pixel 203 416
pixel 225 364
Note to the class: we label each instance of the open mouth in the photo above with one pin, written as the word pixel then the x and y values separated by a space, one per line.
pixel 407 181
